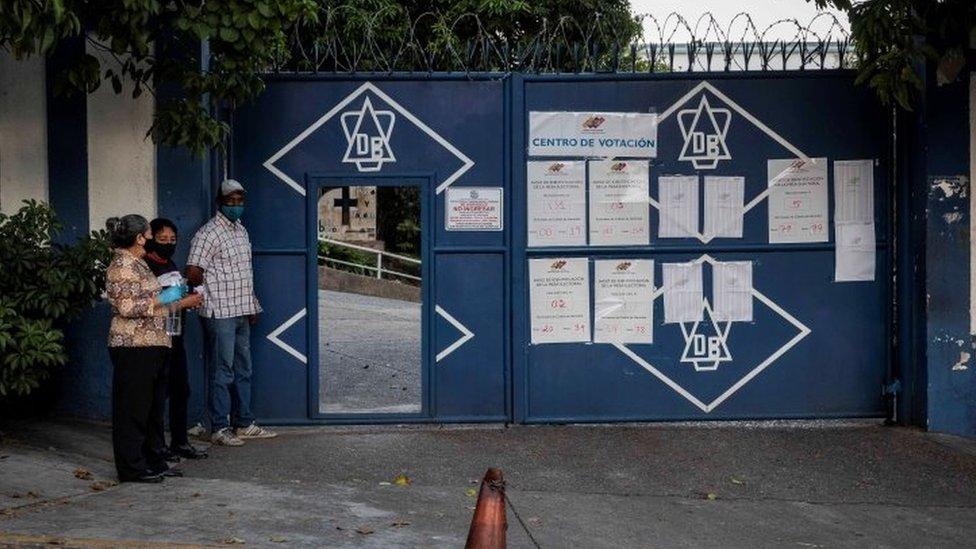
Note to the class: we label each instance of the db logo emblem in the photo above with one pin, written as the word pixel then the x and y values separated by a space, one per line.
pixel 368 136
pixel 704 129
pixel 706 344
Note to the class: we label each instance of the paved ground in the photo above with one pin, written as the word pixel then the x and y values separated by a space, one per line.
pixel 713 485
pixel 369 355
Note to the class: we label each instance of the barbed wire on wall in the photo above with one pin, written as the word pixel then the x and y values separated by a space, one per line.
pixel 432 42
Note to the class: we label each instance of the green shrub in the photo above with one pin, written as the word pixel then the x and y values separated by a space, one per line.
pixel 43 285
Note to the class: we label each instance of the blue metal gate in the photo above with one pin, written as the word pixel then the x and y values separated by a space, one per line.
pixel 442 131
pixel 813 347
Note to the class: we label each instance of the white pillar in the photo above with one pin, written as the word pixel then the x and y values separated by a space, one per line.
pixel 23 131
pixel 121 159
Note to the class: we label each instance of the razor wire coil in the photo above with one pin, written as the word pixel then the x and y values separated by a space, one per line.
pixel 432 42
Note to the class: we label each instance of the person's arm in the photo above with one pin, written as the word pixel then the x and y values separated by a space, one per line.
pixel 194 275
pixel 199 259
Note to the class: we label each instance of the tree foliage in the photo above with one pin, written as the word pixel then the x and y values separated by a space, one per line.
pixel 431 35
pixel 150 41
pixel 894 38
pixel 145 42
pixel 43 285
pixel 154 41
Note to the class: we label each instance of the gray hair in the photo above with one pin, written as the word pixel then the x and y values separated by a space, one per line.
pixel 122 231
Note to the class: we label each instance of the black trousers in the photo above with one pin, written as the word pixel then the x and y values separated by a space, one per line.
pixel 138 400
pixel 178 391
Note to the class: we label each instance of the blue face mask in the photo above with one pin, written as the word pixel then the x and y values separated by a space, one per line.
pixel 232 212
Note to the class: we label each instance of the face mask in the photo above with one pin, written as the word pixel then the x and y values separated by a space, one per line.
pixel 165 251
pixel 232 212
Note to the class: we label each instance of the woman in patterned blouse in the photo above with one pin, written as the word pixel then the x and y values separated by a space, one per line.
pixel 138 346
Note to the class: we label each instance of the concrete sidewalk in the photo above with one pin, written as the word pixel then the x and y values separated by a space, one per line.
pixel 712 485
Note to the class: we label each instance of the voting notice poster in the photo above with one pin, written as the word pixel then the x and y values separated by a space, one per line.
pixel 677 196
pixel 797 200
pixel 623 301
pixel 593 134
pixel 683 292
pixel 559 300
pixel 619 210
pixel 724 198
pixel 854 251
pixel 732 291
pixel 556 203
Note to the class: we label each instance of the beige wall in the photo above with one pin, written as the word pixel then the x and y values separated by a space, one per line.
pixel 121 159
pixel 23 131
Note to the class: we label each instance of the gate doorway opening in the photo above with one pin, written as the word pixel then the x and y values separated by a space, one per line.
pixel 370 294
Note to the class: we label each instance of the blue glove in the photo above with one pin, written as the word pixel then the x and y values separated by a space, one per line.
pixel 171 294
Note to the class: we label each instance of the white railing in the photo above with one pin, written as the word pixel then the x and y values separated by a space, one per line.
pixel 379 269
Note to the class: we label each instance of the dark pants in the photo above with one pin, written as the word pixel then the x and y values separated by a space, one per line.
pixel 178 391
pixel 138 399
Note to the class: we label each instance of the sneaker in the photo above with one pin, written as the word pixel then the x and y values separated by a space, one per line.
pixel 226 437
pixel 197 431
pixel 253 431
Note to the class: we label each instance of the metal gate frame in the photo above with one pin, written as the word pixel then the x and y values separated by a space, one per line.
pixel 885 243
pixel 313 182
pixel 513 255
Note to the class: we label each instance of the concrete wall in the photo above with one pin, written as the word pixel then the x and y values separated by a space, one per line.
pixel 950 346
pixel 121 159
pixel 101 164
pixel 23 132
pixel 344 281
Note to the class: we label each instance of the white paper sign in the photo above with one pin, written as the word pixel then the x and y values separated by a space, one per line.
pixel 623 296
pixel 474 209
pixel 619 212
pixel 853 191
pixel 678 211
pixel 556 203
pixel 559 300
pixel 797 200
pixel 724 198
pixel 683 295
pixel 855 252
pixel 605 134
pixel 172 278
pixel 732 289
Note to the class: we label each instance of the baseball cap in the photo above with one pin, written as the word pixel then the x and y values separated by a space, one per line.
pixel 231 186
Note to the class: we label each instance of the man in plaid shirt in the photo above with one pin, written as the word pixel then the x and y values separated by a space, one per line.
pixel 220 265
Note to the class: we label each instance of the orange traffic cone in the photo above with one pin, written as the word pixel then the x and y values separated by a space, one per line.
pixel 488 525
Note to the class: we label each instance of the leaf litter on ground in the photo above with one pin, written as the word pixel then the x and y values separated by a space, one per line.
pixel 83 474
pixel 402 480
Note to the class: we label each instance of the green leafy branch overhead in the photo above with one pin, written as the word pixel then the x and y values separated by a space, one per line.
pixel 894 38
pixel 135 44
pixel 150 41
